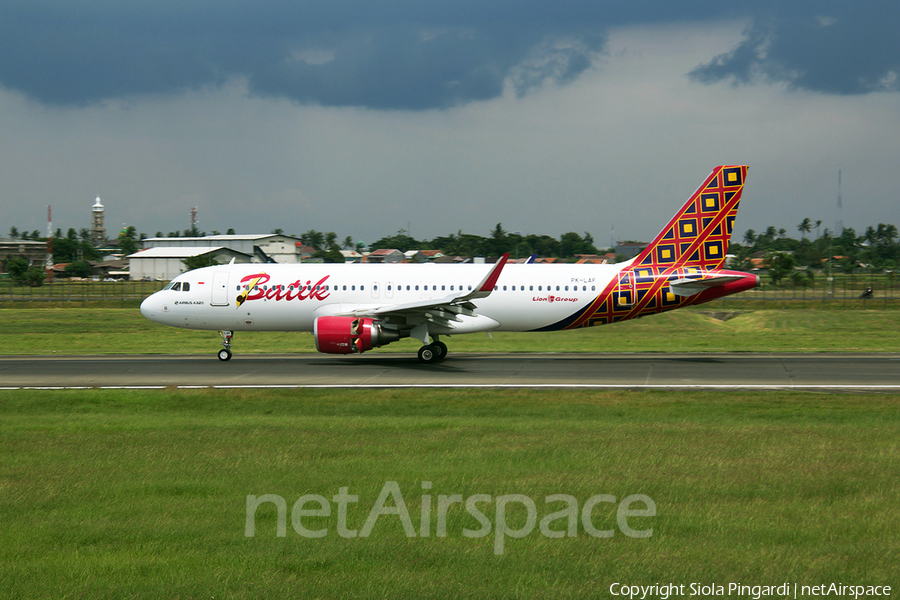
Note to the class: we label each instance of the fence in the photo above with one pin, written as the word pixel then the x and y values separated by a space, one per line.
pixel 839 291
pixel 69 294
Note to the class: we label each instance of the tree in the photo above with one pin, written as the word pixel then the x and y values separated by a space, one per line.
pixel 127 243
pixel 571 244
pixel 401 242
pixel 79 268
pixel 14 233
pixel 778 264
pixel 35 277
pixel 230 231
pixel 16 266
pixel 199 261
pixel 331 241
pixel 22 274
pixel 313 238
pixel 498 243
pixel 278 231
pixel 347 244
pixel 804 227
pixel 750 237
pixel 330 256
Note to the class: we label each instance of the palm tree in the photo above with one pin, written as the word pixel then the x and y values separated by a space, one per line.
pixel 348 243
pixel 313 238
pixel 804 227
pixel 331 240
pixel 750 237
pixel 818 224
pixel 14 233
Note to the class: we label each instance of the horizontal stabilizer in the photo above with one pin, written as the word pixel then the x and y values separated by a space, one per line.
pixel 689 287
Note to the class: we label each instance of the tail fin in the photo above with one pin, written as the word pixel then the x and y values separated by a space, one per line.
pixel 666 274
pixel 698 235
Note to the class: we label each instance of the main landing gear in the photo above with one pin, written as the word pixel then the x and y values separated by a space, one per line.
pixel 225 353
pixel 432 353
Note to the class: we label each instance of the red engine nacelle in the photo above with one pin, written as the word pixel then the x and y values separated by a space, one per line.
pixel 350 335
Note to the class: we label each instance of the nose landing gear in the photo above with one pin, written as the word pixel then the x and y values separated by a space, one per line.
pixel 225 353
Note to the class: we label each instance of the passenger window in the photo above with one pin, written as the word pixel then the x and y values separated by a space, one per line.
pixel 530 288
pixel 443 288
pixel 417 288
pixel 352 288
pixel 504 288
pixel 557 288
pixel 593 288
pixel 362 288
pixel 540 288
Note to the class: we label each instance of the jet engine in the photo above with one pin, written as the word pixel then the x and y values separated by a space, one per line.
pixel 350 335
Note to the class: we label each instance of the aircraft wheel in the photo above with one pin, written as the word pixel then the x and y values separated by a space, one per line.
pixel 441 348
pixel 429 355
pixel 224 354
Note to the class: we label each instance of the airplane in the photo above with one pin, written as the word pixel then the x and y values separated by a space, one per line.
pixel 353 308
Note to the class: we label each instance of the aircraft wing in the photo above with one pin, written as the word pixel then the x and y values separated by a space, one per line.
pixel 689 287
pixel 445 310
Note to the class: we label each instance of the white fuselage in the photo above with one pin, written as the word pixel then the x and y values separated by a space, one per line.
pixel 290 297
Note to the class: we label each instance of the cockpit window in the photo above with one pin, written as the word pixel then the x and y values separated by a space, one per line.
pixel 185 287
pixel 176 287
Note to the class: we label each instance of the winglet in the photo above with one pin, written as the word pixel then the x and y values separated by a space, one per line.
pixel 484 289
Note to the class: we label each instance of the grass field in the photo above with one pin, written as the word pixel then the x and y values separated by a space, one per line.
pixel 107 495
pixel 125 331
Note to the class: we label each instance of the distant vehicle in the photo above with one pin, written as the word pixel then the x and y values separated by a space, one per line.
pixel 352 308
pixel 867 294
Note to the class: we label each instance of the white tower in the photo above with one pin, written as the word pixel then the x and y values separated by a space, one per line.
pixel 98 229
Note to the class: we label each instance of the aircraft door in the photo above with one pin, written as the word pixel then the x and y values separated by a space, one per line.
pixel 625 289
pixel 219 289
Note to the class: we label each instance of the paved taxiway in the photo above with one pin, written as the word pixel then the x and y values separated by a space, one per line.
pixel 876 372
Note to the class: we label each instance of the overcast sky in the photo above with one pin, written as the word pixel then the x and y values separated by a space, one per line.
pixel 364 117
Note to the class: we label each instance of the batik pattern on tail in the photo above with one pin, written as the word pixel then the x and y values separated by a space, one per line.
pixel 693 243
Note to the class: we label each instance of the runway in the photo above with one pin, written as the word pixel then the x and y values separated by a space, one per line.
pixel 831 372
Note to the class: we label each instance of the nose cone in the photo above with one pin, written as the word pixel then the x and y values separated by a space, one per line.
pixel 150 307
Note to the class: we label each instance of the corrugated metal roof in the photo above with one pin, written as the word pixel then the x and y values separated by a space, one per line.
pixel 180 252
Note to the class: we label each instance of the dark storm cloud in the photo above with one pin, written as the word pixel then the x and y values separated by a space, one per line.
pixel 831 47
pixel 401 54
